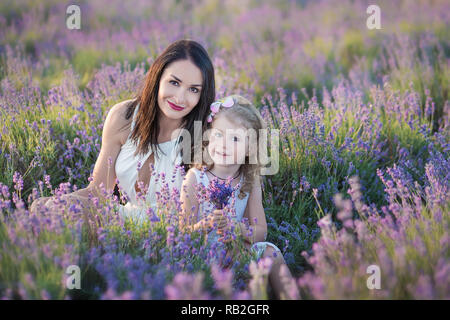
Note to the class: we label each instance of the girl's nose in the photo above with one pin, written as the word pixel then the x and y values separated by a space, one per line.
pixel 224 145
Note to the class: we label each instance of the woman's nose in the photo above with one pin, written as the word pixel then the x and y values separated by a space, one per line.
pixel 181 97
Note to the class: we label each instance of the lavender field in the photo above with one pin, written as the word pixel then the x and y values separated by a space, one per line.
pixel 363 116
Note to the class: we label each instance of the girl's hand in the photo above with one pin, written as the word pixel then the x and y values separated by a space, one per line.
pixel 226 233
pixel 235 255
pixel 217 220
pixel 227 261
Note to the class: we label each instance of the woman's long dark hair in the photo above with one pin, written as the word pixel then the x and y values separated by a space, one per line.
pixel 146 129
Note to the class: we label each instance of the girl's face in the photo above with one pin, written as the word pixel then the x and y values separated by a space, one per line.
pixel 228 142
pixel 179 89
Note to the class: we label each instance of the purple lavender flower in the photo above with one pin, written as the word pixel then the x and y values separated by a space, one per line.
pixel 219 193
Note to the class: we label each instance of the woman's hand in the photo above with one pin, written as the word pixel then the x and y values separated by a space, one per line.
pixel 37 204
pixel 70 199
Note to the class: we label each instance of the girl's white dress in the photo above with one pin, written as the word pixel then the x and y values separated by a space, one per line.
pixel 207 207
pixel 166 171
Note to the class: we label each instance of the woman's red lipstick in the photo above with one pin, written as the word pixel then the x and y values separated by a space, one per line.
pixel 174 106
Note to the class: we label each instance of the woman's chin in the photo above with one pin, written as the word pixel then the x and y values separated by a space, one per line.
pixel 172 114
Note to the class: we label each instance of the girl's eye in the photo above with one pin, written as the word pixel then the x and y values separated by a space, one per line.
pixel 195 90
pixel 173 82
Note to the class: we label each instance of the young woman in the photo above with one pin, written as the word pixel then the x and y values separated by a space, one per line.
pixel 178 90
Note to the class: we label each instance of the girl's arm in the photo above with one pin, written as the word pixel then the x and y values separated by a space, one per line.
pixel 255 210
pixel 190 207
pixel 189 204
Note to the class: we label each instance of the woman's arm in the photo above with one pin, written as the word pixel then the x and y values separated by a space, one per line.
pixel 104 169
pixel 255 210
pixel 104 172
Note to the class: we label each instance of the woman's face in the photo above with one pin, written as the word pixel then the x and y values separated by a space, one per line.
pixel 179 89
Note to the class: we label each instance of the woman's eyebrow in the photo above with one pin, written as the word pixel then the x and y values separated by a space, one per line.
pixel 178 79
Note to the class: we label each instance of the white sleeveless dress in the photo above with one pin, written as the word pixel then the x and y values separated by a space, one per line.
pixel 239 205
pixel 166 170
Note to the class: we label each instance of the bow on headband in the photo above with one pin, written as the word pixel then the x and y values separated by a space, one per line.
pixel 215 106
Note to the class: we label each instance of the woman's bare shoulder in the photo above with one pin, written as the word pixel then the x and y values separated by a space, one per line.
pixel 120 110
pixel 118 120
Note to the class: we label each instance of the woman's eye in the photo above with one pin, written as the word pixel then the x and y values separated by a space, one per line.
pixel 175 83
pixel 218 134
pixel 195 90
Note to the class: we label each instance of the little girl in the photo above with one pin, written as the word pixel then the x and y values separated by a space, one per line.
pixel 233 121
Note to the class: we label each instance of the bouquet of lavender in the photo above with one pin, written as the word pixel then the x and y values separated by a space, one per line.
pixel 219 193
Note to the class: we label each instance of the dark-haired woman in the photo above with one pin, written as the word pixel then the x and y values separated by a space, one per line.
pixel 138 133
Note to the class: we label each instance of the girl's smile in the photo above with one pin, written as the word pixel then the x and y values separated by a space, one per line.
pixel 221 154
